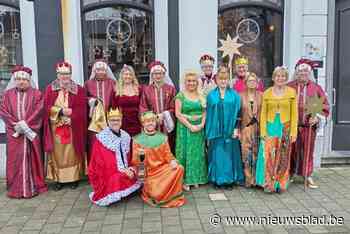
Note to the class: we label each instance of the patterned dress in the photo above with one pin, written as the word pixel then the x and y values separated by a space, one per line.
pixel 189 145
pixel 278 123
pixel 250 112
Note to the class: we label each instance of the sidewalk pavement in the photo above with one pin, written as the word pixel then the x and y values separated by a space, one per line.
pixel 70 211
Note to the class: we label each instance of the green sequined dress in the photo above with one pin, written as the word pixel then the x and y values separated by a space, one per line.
pixel 190 147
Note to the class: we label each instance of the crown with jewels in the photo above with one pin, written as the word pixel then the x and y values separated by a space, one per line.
pixel 63 68
pixel 114 113
pixel 241 61
pixel 207 59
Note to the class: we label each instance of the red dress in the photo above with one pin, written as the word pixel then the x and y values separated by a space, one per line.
pixel 110 154
pixel 129 106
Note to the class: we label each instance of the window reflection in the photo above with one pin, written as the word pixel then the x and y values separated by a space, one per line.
pixel 120 35
pixel 259 29
pixel 10 43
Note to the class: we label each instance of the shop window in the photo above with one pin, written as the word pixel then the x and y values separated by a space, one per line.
pixel 259 27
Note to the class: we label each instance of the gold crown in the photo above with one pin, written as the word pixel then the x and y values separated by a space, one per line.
pixel 149 115
pixel 241 61
pixel 114 113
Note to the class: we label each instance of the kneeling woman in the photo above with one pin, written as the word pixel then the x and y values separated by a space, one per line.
pixel 110 175
pixel 278 129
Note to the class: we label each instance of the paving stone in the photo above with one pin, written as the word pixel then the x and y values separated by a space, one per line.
pixel 34 224
pixel 171 220
pixel 172 229
pixel 52 228
pixel 151 227
pixel 92 226
pixel 70 231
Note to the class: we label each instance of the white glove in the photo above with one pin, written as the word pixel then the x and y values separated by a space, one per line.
pixel 29 133
pixel 92 102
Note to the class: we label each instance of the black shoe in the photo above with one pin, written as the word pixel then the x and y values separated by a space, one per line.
pixel 74 185
pixel 229 187
pixel 217 187
pixel 58 186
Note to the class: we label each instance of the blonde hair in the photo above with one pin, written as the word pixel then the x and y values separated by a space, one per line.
pixel 120 83
pixel 279 70
pixel 191 73
pixel 251 74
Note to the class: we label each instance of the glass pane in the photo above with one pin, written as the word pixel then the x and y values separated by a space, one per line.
pixel 10 43
pixel 260 31
pixel 121 35
pixel 278 3
pixel 144 2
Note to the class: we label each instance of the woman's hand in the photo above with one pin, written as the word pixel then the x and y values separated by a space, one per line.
pixel 293 139
pixel 236 133
pixel 195 128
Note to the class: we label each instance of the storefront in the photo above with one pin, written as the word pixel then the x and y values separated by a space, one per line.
pixel 178 32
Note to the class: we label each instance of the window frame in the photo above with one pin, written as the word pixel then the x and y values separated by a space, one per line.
pixel 111 3
pixel 14 5
pixel 258 4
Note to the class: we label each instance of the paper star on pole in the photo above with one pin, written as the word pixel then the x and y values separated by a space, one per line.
pixel 229 46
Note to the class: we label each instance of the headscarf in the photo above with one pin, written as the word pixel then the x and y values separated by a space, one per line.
pixel 157 66
pixel 102 64
pixel 23 72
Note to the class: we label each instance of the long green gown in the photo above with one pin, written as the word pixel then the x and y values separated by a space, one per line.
pixel 190 147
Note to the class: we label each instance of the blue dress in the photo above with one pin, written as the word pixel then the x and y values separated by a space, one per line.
pixel 224 155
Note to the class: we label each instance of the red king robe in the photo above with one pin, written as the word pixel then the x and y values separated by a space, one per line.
pixel 110 154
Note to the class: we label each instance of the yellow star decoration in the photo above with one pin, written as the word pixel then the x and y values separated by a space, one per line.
pixel 314 105
pixel 229 46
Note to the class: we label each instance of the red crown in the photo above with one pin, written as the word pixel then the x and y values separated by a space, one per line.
pixel 206 57
pixel 64 68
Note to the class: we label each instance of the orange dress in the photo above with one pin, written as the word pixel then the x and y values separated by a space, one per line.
pixel 163 184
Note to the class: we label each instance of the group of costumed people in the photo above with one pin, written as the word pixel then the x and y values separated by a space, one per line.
pixel 128 136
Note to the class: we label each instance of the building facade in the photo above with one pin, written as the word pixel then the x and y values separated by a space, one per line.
pixel 39 33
